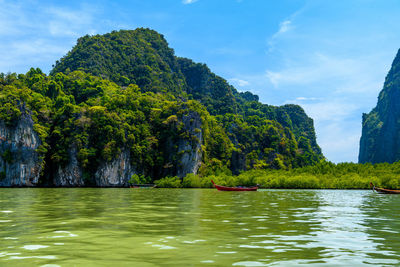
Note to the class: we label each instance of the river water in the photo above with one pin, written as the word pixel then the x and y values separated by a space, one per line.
pixel 197 227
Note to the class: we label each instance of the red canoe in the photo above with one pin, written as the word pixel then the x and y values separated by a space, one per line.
pixel 383 190
pixel 227 188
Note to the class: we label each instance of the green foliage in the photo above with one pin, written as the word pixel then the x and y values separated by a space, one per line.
pixel 139 57
pixel 169 182
pixel 99 120
pixel 267 136
pixel 139 179
pixel 9 113
pixel 126 92
pixel 196 181
pixel 324 175
pixel 2 175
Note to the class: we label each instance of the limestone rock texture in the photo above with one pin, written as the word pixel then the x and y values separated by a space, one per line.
pixel 20 164
pixel 190 148
pixel 380 140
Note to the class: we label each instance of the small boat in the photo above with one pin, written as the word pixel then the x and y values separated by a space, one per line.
pixel 383 190
pixel 227 188
pixel 143 186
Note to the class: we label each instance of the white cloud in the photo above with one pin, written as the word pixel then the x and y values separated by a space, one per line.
pixel 302 98
pixel 335 124
pixel 187 2
pixel 239 82
pixel 284 26
pixel 319 67
pixel 69 22
pixel 339 140
pixel 274 77
pixel 35 47
pixel 334 91
pixel 12 19
pixel 33 34
pixel 332 110
pixel 340 75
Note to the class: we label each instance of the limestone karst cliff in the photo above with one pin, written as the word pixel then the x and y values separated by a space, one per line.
pixel 380 140
pixel 122 104
pixel 20 164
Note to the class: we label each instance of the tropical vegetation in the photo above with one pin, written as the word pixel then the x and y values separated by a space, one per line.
pixel 126 91
pixel 324 175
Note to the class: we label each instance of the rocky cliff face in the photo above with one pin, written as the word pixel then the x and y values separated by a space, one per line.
pixel 184 156
pixel 115 173
pixel 190 148
pixel 380 140
pixel 71 174
pixel 20 164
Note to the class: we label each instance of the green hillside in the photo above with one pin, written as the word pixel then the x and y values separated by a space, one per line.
pixel 126 93
pixel 122 53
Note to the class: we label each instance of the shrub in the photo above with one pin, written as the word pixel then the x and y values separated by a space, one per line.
pixel 169 182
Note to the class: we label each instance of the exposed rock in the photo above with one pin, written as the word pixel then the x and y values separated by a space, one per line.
pixel 380 140
pixel 71 174
pixel 115 173
pixel 20 164
pixel 190 149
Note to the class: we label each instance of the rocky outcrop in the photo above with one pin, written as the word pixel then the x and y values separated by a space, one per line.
pixel 189 148
pixel 185 156
pixel 115 173
pixel 20 164
pixel 71 174
pixel 380 140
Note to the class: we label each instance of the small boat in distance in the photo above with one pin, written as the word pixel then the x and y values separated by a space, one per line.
pixel 227 188
pixel 142 186
pixel 383 190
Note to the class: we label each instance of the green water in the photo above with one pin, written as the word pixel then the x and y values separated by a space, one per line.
pixel 204 227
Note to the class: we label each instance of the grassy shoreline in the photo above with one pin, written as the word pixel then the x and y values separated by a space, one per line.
pixel 324 175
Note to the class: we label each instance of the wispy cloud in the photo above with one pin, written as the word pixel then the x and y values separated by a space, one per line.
pixel 187 2
pixel 334 123
pixel 339 140
pixel 13 19
pixel 33 33
pixel 239 82
pixel 302 98
pixel 333 90
pixel 332 110
pixel 284 26
pixel 64 22
pixel 341 74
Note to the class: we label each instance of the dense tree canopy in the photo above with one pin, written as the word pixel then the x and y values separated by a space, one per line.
pixel 127 91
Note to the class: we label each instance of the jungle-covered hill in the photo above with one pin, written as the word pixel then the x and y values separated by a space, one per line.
pixel 125 95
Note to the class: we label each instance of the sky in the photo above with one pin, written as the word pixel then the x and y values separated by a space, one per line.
pixel 331 57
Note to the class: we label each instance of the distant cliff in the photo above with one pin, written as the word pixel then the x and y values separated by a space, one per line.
pixel 380 140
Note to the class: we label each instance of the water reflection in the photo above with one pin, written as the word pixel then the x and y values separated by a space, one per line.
pixel 156 227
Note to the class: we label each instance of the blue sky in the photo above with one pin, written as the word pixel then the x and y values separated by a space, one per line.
pixel 330 57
